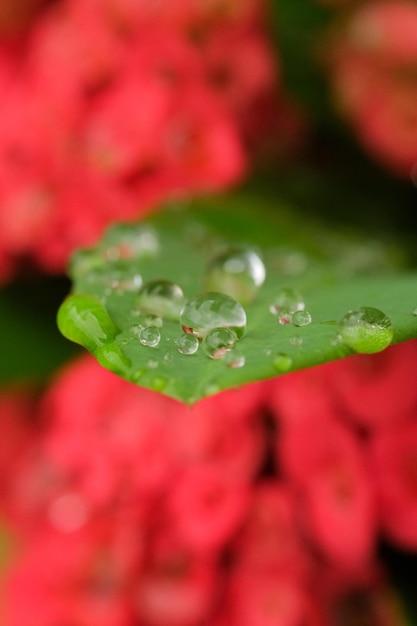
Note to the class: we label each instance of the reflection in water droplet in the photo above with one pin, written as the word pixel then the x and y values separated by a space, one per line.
pixel 213 310
pixel 301 318
pixel 285 318
pixel 150 336
pixel 187 344
pixel 238 273
pixel 366 330
pixel 282 362
pixel 234 359
pixel 287 300
pixel 296 340
pixel 218 341
pixel 161 298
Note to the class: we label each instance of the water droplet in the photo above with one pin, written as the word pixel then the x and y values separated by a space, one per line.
pixel 152 364
pixel 282 362
pixel 153 320
pixel 301 318
pixel 218 341
pixel 161 298
pixel 234 359
pixel 158 383
pixel 296 340
pixel 150 336
pixel 84 320
pixel 167 357
pixel 288 300
pixel 237 272
pixel 127 241
pixel 366 330
pixel 213 310
pixel 187 344
pixel 414 311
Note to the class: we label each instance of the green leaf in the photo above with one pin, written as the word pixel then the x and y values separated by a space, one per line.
pixel 334 272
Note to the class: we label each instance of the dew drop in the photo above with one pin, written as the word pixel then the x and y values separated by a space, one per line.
pixel 213 310
pixel 152 364
pixel 161 298
pixel 237 272
pixel 218 341
pixel 301 318
pixel 84 320
pixel 234 359
pixel 150 336
pixel 285 318
pixel 366 330
pixel 158 383
pixel 187 344
pixel 296 340
pixel 287 300
pixel 282 362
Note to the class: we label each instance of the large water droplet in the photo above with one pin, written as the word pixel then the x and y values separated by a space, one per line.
pixel 301 318
pixel 150 336
pixel 213 310
pixel 282 362
pixel 84 320
pixel 366 330
pixel 218 341
pixel 161 298
pixel 287 301
pixel 187 344
pixel 238 273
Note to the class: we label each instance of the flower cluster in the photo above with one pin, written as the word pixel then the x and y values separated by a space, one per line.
pixel 257 506
pixel 110 106
pixel 373 58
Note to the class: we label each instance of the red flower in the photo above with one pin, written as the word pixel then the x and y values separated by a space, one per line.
pixel 374 81
pixel 394 464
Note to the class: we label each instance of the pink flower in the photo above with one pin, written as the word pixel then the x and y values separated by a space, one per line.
pixel 394 465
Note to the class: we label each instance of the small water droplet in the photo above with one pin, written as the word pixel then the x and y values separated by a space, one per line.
pixel 161 298
pixel 282 362
pixel 237 272
pixel 152 364
pixel 213 310
pixel 153 320
pixel 366 330
pixel 301 318
pixel 167 357
pixel 414 311
pixel 187 344
pixel 287 300
pixel 234 359
pixel 158 383
pixel 218 341
pixel 296 340
pixel 150 336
